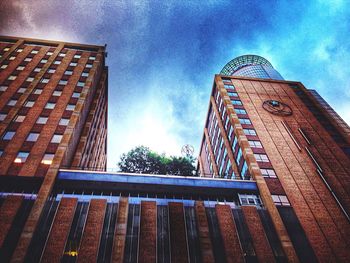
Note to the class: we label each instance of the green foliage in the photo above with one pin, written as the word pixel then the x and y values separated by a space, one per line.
pixel 142 160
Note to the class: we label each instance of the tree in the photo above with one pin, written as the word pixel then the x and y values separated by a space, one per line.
pixel 142 160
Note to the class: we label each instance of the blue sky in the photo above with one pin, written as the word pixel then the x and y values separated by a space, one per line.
pixel 162 55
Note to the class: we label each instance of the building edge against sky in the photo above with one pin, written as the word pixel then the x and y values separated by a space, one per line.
pixel 264 137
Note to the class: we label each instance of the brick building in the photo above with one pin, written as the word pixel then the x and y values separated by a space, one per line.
pixel 274 183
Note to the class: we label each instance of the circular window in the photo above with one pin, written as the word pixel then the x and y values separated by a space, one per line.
pixel 278 108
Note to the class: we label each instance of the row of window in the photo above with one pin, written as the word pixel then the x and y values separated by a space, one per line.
pixel 22 157
pixel 49 105
pixel 32 137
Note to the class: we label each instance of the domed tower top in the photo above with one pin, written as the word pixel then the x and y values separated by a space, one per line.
pixel 251 66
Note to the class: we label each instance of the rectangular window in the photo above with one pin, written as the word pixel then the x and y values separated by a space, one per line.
pixel 6 49
pixel 64 122
pixel 226 80
pixel 68 72
pixel 2 116
pixel 21 157
pixel 12 58
pixel 30 79
pixel 240 111
pixel 80 84
pixel 21 90
pixel 280 200
pixel 11 102
pixel 19 50
pixel 47 159
pixel 73 64
pixel 88 66
pixel 249 132
pixel 63 82
pixel 57 93
pixel 236 102
pixel 61 55
pixel 268 173
pixel 50 105
pixel 4 66
pixel 246 199
pixel 255 144
pixel 43 61
pixel 12 77
pixel 37 69
pixel 41 120
pixel 19 118
pixel 75 95
pixel 34 52
pixel 261 158
pixel 28 59
pixel 3 88
pixel 51 71
pixel 77 56
pixel 92 58
pixel 70 107
pixel 32 137
pixel 49 53
pixel 44 80
pixel 29 103
pixel 20 68
pixel 84 74
pixel 239 155
pixel 8 135
pixel 56 138
pixel 38 91
pixel 56 62
pixel 245 121
pixel 232 94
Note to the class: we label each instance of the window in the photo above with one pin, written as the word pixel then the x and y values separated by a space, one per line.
pixel 12 58
pixel 32 137
pixel 4 66
pixel 12 77
pixel 68 72
pixel 240 111
pixel 47 159
pixel 236 102
pixel 245 121
pixel 268 173
pixel 28 59
pixel 19 118
pixel 255 144
pixel 261 158
pixel 34 52
pixel 37 69
pixel 56 138
pixel 11 102
pixel 245 199
pixel 57 93
pixel 73 64
pixel 280 200
pixel 77 56
pixel 80 84
pixel 64 122
pixel 50 105
pixel 84 74
pixel 2 116
pixel 6 49
pixel 49 53
pixel 232 94
pixel 56 62
pixel 239 156
pixel 43 61
pixel 38 91
pixel 1 152
pixel 8 135
pixel 70 107
pixel 19 50
pixel 20 68
pixel 88 66
pixel 30 79
pixel 41 120
pixel 21 157
pixel 29 103
pixel 3 88
pixel 226 80
pixel 249 132
pixel 21 90
pixel 92 58
pixel 44 80
pixel 51 71
pixel 61 55
pixel 75 95
pixel 63 82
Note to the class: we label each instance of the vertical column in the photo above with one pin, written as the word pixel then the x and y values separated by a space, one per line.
pixel 120 231
pixel 60 229
pixel 178 239
pixel 229 234
pixel 8 212
pixel 203 232
pixel 256 230
pixel 148 233
pixel 90 242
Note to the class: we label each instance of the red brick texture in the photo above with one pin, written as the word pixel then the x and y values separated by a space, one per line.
pixel 120 231
pixel 148 233
pixel 256 230
pixel 203 233
pixel 8 212
pixel 90 242
pixel 57 239
pixel 229 234
pixel 178 239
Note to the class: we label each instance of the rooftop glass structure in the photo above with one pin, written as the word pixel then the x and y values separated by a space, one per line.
pixel 251 66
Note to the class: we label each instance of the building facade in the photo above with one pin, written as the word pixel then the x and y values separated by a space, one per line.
pixel 292 144
pixel 53 114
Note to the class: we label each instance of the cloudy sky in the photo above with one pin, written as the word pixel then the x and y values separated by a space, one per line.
pixel 162 55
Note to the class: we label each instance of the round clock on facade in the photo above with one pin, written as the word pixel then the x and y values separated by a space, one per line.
pixel 278 108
